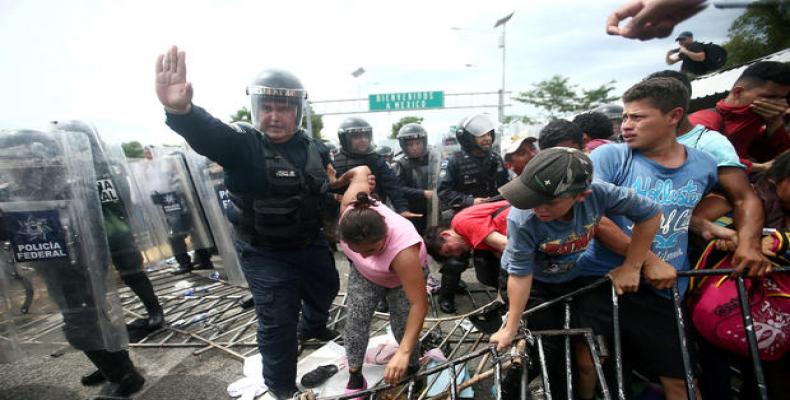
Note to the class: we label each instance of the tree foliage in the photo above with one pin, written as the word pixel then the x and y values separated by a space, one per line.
pixel 243 114
pixel 317 122
pixel 758 32
pixel 557 97
pixel 403 121
pixel 132 149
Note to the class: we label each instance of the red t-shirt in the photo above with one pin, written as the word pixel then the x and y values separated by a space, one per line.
pixel 474 223
pixel 746 130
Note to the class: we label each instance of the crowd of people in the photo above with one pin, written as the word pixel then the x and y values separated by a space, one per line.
pixel 632 193
pixel 615 193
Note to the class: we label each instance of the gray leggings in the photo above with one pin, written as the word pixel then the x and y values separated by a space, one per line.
pixel 363 296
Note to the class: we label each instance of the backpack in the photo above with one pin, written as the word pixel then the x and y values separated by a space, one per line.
pixel 716 314
pixel 715 56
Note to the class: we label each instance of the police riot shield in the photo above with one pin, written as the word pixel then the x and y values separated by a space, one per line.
pixel 169 195
pixel 209 179
pixel 154 248
pixel 149 214
pixel 434 164
pixel 10 349
pixel 54 241
pixel 123 226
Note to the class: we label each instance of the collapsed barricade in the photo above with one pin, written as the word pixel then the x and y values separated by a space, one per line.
pixel 204 313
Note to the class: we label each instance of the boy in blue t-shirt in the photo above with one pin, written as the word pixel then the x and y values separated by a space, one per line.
pixel 556 209
pixel 652 162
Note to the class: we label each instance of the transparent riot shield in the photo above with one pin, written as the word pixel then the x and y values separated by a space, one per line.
pixel 130 243
pixel 148 214
pixel 208 177
pixel 10 349
pixel 154 248
pixel 434 164
pixel 53 238
pixel 170 198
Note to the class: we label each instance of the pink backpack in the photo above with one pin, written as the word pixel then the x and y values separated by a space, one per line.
pixel 716 312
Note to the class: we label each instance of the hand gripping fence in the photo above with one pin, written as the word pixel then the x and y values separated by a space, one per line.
pixel 213 320
pixel 535 338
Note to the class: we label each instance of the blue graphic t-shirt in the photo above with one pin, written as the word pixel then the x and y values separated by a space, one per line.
pixel 549 250
pixel 713 143
pixel 676 190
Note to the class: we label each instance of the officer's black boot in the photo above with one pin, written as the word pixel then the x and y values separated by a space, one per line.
pixel 184 264
pixel 124 380
pixel 203 259
pixel 141 286
pixel 447 292
pixel 92 379
pixel 451 277
pixel 96 377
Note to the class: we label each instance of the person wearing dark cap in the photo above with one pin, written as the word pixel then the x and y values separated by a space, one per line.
pixel 561 133
pixel 691 53
pixel 556 208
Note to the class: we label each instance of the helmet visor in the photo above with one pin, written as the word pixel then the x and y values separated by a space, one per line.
pixel 277 109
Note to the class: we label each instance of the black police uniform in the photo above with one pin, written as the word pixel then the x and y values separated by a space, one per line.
pixel 416 176
pixel 278 193
pixel 387 185
pixel 464 177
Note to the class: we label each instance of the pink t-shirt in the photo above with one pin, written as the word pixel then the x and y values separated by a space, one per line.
pixel 400 235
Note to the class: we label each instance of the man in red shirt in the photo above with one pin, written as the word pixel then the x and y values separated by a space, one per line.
pixel 481 227
pixel 752 114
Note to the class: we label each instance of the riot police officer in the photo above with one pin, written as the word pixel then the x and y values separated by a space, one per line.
pixel 51 219
pixel 417 169
pixel 278 178
pixel 469 176
pixel 356 148
pixel 165 176
pixel 615 114
pixel 114 196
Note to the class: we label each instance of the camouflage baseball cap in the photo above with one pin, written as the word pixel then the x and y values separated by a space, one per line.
pixel 555 172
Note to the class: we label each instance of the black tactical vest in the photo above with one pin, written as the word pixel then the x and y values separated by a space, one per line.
pixel 477 176
pixel 289 213
pixel 417 173
pixel 344 162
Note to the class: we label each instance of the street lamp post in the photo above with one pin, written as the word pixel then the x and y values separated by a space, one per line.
pixel 503 23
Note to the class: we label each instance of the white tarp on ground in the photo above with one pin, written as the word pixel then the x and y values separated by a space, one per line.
pixel 252 386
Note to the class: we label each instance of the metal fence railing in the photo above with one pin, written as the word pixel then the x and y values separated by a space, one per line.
pixel 212 319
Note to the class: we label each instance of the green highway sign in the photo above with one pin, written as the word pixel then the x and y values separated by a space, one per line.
pixel 406 101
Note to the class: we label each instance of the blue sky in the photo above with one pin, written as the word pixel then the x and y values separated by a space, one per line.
pixel 94 60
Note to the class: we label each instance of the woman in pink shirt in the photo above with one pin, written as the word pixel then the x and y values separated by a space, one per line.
pixel 387 258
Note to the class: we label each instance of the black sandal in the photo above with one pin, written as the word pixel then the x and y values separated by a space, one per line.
pixel 318 376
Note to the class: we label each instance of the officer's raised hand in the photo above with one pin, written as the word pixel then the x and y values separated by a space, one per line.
pixel 172 88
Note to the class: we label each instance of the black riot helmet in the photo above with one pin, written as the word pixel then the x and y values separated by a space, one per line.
pixel 98 148
pixel 274 85
pixel 409 132
pixel 385 151
pixel 353 127
pixel 472 127
pixel 612 111
pixel 615 114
